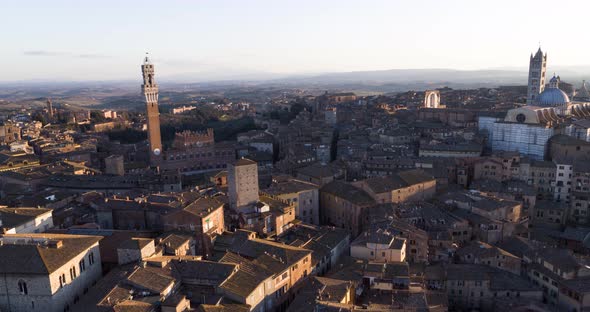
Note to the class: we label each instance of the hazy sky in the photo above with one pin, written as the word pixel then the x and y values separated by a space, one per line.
pixel 106 40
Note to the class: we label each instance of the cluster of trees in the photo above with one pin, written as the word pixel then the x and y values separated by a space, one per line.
pixel 224 130
pixel 286 116
pixel 97 117
pixel 127 136
pixel 196 120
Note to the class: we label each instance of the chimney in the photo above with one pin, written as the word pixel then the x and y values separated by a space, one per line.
pixel 55 244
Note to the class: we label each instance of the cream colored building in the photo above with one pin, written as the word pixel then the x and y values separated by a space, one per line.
pixel 404 186
pixel 135 249
pixel 273 271
pixel 46 272
pixel 303 195
pixel 379 246
pixel 25 220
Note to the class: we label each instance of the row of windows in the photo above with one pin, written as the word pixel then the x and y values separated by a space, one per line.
pixel 198 155
pixel 545 278
pixel 203 167
pixel 24 290
pixel 542 174
pixel 460 292
pixel 74 272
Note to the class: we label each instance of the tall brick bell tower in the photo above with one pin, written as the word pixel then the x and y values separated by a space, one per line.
pixel 150 91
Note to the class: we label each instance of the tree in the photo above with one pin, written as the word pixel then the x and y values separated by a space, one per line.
pixel 40 117
pixel 97 117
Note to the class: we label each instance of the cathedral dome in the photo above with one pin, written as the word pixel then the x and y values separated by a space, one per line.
pixel 553 96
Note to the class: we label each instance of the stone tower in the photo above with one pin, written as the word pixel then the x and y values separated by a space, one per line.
pixel 150 91
pixel 49 108
pixel 537 69
pixel 242 180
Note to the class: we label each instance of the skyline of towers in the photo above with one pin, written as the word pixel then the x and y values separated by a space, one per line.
pixel 150 91
pixel 537 76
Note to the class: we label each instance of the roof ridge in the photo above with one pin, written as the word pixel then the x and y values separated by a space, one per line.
pixel 37 249
pixel 280 245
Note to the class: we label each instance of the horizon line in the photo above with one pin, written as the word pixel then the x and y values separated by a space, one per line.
pixel 242 77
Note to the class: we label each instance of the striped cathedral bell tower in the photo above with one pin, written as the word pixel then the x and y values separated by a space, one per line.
pixel 537 70
pixel 150 91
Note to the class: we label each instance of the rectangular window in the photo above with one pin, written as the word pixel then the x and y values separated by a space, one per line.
pixel 82 265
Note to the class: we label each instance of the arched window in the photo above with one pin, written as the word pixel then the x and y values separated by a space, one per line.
pixel 22 287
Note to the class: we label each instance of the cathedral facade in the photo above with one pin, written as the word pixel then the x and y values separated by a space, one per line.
pixel 548 112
